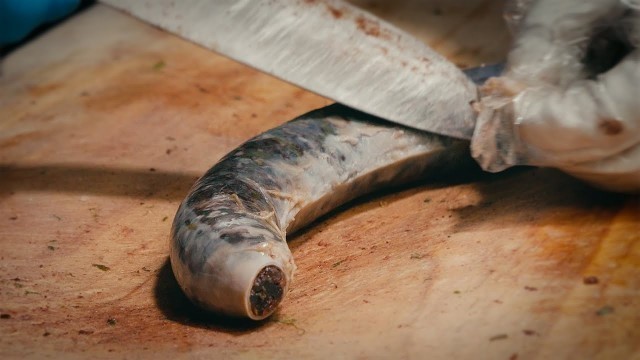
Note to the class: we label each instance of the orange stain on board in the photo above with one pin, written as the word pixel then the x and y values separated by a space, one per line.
pixel 571 245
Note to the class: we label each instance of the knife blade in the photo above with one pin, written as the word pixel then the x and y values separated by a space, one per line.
pixel 331 48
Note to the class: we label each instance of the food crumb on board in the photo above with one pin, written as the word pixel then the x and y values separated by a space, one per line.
pixel 605 310
pixel 112 321
pixel 590 280
pixel 101 267
pixel 290 322
pixel 499 337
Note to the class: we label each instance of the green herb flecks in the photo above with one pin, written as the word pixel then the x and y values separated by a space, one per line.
pixel 159 65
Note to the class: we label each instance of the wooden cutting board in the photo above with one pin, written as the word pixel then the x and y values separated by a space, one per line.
pixel 105 123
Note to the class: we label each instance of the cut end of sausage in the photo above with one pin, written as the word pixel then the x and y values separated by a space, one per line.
pixel 267 291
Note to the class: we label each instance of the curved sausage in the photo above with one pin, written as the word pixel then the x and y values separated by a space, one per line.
pixel 228 243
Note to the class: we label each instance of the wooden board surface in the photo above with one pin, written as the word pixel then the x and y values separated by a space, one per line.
pixel 106 122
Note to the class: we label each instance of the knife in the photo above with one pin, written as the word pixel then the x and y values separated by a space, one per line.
pixel 331 48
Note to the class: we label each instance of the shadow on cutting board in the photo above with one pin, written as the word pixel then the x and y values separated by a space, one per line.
pixel 111 181
pixel 510 197
pixel 178 308
pixel 530 196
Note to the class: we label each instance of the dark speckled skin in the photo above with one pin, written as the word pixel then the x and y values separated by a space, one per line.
pixel 238 213
pixel 228 242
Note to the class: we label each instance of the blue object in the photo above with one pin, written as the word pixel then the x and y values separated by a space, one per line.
pixel 19 17
pixel 481 73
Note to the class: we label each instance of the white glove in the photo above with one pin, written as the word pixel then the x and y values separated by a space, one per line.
pixel 549 110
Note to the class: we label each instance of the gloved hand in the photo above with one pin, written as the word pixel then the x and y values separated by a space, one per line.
pixel 19 17
pixel 570 97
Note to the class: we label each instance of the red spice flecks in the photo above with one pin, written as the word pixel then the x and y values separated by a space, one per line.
pixel 367 26
pixel 336 13
pixel 611 126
